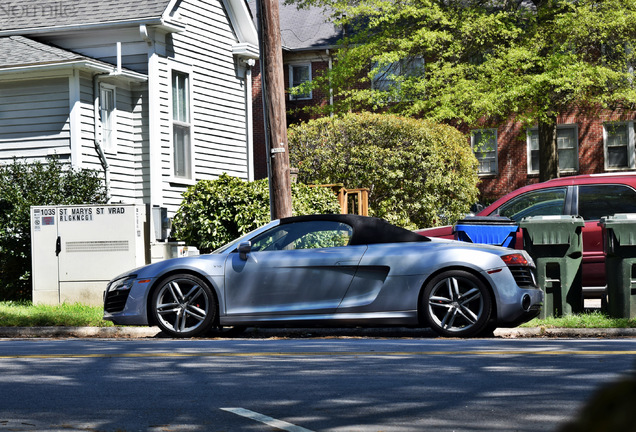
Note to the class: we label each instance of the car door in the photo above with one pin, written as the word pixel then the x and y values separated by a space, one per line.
pixel 594 202
pixel 298 268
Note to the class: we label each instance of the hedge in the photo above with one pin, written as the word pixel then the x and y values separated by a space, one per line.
pixel 419 173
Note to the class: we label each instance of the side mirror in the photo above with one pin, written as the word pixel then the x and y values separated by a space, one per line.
pixel 243 249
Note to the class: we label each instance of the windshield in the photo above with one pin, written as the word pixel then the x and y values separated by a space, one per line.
pixel 234 243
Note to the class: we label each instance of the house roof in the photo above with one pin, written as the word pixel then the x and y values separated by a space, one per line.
pixel 18 50
pixel 21 52
pixel 42 14
pixel 304 29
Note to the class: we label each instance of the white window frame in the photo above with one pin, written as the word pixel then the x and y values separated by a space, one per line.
pixel 108 119
pixel 492 160
pixel 293 84
pixel 564 127
pixel 183 123
pixel 630 146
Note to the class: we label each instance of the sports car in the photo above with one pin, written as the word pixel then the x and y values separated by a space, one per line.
pixel 331 270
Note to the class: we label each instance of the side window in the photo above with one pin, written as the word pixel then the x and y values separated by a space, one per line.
pixel 543 202
pixel 303 235
pixel 596 201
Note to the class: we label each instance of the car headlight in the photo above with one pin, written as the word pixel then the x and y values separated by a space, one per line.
pixel 122 284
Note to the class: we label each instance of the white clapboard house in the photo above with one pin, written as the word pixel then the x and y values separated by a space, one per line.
pixel 155 94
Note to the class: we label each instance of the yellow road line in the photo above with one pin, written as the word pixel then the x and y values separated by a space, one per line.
pixel 320 354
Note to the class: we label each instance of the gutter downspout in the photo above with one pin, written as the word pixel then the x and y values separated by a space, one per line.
pixel 249 64
pixel 330 87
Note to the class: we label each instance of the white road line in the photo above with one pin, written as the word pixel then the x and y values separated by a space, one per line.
pixel 279 424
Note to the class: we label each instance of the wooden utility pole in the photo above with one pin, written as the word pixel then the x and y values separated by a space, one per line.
pixel 273 91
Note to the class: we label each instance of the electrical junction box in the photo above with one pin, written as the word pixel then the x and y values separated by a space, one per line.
pixel 76 250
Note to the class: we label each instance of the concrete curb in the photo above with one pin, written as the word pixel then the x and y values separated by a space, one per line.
pixel 154 332
pixel 529 332
pixel 79 332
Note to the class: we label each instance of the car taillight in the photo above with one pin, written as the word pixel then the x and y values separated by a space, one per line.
pixel 515 259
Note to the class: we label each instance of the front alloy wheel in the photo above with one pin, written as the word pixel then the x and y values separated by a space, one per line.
pixel 457 304
pixel 184 306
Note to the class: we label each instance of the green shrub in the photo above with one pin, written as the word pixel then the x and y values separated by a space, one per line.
pixel 419 174
pixel 24 185
pixel 214 212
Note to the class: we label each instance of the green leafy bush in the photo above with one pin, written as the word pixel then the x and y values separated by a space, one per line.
pixel 24 185
pixel 419 174
pixel 214 212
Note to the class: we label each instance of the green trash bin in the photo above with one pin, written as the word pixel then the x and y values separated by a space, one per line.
pixel 555 244
pixel 619 245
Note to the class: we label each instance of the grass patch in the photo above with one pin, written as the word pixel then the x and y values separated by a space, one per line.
pixel 593 319
pixel 26 314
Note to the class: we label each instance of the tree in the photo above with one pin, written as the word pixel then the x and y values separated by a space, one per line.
pixel 463 61
pixel 419 173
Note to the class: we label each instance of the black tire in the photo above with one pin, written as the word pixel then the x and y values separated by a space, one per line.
pixel 456 303
pixel 184 306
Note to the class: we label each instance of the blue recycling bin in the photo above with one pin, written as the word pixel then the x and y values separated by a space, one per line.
pixel 493 230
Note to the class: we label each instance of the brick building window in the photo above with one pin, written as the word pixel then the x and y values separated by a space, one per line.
pixel 298 75
pixel 389 76
pixel 567 147
pixel 618 145
pixel 484 145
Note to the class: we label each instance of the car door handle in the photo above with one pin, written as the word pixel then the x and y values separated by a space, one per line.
pixel 346 263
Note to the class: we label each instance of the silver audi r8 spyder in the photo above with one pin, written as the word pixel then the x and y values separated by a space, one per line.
pixel 331 270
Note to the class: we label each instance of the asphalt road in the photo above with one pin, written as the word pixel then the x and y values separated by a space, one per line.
pixel 346 383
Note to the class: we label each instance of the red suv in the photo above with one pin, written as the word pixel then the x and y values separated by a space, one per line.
pixel 589 196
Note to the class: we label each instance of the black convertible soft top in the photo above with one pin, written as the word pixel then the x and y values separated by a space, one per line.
pixel 366 230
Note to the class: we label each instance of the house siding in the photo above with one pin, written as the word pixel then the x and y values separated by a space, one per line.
pixel 34 119
pixel 129 175
pixel 219 118
pixel 127 178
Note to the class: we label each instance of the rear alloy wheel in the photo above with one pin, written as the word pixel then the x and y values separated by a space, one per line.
pixel 184 306
pixel 457 304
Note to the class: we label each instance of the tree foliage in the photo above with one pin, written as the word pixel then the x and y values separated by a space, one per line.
pixel 526 59
pixel 24 185
pixel 419 174
pixel 214 212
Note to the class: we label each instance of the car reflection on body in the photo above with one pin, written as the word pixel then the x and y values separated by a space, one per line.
pixel 331 270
